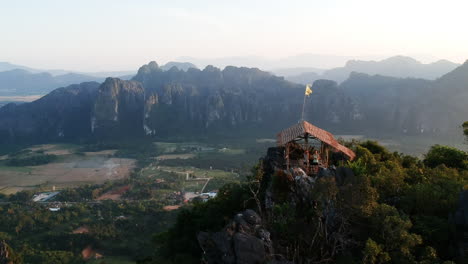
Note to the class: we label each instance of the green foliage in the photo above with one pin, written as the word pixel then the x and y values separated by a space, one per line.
pixel 465 128
pixel 23 196
pixel 10 148
pixel 376 149
pixel 52 257
pixel 31 160
pixel 392 230
pixel 448 156
pixel 374 253
pixel 41 236
pixel 436 194
pixel 409 161
pixel 143 152
pixel 359 196
pixel 359 166
pixel 413 201
pixel 79 194
pixel 220 160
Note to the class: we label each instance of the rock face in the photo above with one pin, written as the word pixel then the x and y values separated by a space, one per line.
pixel 201 101
pixel 157 102
pixel 118 109
pixel 243 241
pixel 410 106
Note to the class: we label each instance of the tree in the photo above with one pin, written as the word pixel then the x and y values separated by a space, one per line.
pixel 392 231
pixel 450 157
pixel 373 253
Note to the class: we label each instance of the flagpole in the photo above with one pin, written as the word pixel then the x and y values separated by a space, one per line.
pixel 303 108
pixel 308 91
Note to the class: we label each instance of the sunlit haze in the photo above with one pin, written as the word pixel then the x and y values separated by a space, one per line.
pixel 92 35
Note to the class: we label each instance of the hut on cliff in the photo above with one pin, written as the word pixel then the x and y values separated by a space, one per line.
pixel 309 147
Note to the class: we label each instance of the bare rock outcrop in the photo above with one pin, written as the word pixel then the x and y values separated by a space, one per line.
pixel 243 241
pixel 5 253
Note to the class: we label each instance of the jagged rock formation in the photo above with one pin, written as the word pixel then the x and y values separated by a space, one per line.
pixel 410 106
pixel 157 102
pixel 196 100
pixel 244 240
pixel 64 114
pixel 240 102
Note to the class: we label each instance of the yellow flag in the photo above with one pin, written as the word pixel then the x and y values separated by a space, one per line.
pixel 308 91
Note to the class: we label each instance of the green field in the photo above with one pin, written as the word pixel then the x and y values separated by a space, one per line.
pixel 74 165
pixel 68 168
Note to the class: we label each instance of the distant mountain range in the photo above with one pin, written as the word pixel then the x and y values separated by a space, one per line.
pixel 17 80
pixel 31 81
pixel 397 66
pixel 184 66
pixel 317 61
pixel 238 102
pixel 22 82
pixel 6 66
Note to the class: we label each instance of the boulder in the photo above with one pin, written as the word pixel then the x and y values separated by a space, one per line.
pixel 242 241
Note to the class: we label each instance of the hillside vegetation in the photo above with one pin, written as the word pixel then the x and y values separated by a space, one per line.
pixel 396 209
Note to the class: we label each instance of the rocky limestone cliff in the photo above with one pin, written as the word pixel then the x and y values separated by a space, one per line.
pixel 118 109
pixel 410 106
pixel 238 101
pixel 211 99
pixel 64 114
pixel 243 240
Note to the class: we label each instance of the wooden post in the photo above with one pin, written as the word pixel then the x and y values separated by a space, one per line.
pixel 326 153
pixel 306 152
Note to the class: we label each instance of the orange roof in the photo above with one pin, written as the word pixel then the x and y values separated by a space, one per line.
pixel 304 127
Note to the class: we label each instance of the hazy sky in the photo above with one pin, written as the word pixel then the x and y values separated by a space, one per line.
pixel 93 35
